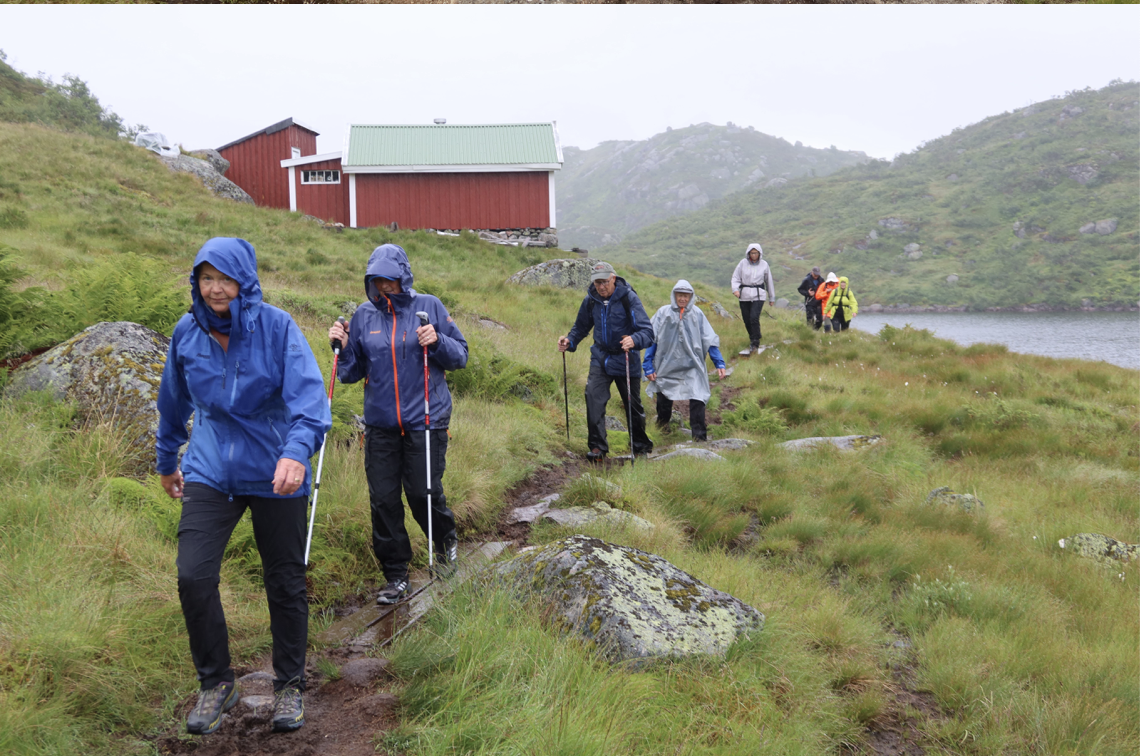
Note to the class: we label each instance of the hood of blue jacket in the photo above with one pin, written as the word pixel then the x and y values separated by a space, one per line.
pixel 388 261
pixel 235 258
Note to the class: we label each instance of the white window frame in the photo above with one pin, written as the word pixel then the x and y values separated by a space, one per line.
pixel 305 174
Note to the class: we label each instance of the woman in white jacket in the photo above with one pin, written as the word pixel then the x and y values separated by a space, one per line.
pixel 752 284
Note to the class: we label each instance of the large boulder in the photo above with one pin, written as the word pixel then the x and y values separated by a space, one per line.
pixel 112 372
pixel 214 181
pixel 214 158
pixel 632 605
pixel 564 274
pixel 576 517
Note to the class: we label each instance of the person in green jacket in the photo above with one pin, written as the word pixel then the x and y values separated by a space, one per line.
pixel 841 306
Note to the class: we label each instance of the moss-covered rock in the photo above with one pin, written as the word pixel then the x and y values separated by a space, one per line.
pixel 565 274
pixel 946 497
pixel 631 604
pixel 1101 548
pixel 844 443
pixel 112 372
pixel 576 517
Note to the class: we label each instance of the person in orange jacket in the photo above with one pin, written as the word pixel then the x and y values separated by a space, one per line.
pixel 822 293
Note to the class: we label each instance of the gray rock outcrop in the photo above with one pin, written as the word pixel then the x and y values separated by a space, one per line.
pixel 718 308
pixel 564 274
pixel 214 158
pixel 214 181
pixel 1101 548
pixel 1106 227
pixel 704 454
pixel 946 497
pixel 112 372
pixel 845 443
pixel 632 605
pixel 599 511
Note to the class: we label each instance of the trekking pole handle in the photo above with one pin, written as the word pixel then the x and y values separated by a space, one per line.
pixel 423 316
pixel 335 344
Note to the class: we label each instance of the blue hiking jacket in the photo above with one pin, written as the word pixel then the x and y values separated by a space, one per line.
pixel 384 350
pixel 258 401
pixel 611 320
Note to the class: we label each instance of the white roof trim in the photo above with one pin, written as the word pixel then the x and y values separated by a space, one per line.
pixel 493 168
pixel 310 159
pixel 557 143
pixel 305 126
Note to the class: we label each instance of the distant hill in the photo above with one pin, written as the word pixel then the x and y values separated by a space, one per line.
pixel 608 192
pixel 69 105
pixel 1002 213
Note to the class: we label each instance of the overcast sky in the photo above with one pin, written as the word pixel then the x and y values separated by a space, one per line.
pixel 880 79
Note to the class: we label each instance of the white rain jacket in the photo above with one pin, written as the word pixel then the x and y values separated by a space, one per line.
pixel 678 355
pixel 753 279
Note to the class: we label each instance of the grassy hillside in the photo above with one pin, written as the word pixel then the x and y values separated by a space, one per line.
pixel 610 191
pixel 998 205
pixel 977 630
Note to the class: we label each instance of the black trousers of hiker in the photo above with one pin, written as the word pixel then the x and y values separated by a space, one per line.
pixel 839 323
pixel 750 311
pixel 208 519
pixel 814 311
pixel 392 460
pixel 598 396
pixel 696 416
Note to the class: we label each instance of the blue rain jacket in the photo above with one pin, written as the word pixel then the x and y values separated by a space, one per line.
pixel 610 321
pixel 384 350
pixel 261 400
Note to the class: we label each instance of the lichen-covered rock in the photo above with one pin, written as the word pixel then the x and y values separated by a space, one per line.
pixel 214 158
pixel 704 454
pixel 845 443
pixel 718 308
pixel 565 274
pixel 112 372
pixel 576 517
pixel 946 497
pixel 1101 548
pixel 214 181
pixel 730 444
pixel 631 604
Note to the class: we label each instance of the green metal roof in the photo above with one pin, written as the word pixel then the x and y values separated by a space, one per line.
pixel 442 144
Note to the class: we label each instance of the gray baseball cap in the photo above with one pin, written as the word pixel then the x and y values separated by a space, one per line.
pixel 602 272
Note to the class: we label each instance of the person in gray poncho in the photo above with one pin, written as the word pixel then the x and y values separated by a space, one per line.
pixel 675 364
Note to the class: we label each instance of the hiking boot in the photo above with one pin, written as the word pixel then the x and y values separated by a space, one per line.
pixel 447 559
pixel 288 709
pixel 212 704
pixel 394 592
pixel 595 455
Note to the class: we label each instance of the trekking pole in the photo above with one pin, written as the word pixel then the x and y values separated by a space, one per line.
pixel 629 407
pixel 566 396
pixel 423 316
pixel 321 458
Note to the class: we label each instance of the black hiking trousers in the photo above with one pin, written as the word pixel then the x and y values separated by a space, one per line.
pixel 208 519
pixel 392 460
pixel 814 310
pixel 696 416
pixel 598 396
pixel 750 311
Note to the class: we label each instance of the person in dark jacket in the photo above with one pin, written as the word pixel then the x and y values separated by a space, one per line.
pixel 384 345
pixel 245 371
pixel 812 306
pixel 613 311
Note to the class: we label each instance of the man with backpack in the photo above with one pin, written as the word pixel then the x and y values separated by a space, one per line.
pixel 613 311
pixel 812 306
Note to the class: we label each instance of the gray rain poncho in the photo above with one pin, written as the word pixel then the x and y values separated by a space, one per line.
pixel 678 356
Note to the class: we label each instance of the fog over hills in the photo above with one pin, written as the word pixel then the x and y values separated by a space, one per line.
pixel 615 188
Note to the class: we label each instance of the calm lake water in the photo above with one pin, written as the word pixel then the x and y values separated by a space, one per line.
pixel 1109 336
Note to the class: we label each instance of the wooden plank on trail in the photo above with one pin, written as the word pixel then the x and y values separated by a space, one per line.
pixel 376 624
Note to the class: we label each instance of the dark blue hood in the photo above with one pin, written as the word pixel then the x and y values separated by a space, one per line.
pixel 387 261
pixel 235 258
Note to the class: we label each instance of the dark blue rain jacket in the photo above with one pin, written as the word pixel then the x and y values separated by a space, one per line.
pixel 384 350
pixel 621 315
pixel 261 400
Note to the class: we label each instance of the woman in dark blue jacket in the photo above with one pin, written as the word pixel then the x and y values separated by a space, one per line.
pixel 384 345
pixel 246 373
